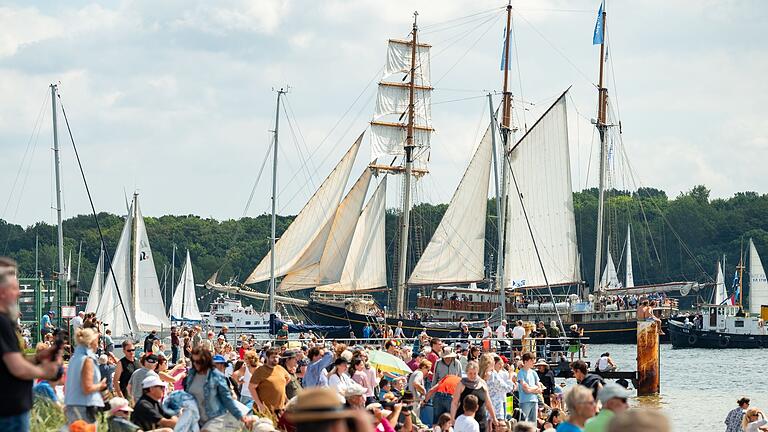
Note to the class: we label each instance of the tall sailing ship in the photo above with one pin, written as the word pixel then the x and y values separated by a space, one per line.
pixel 336 246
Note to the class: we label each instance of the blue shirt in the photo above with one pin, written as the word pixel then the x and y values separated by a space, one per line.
pixel 44 390
pixel 45 322
pixel 568 427
pixel 532 379
pixel 314 377
pixel 367 332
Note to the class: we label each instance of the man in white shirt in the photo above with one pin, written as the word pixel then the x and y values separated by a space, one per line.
pixel 501 334
pixel 487 330
pixel 466 422
pixel 518 333
pixel 77 322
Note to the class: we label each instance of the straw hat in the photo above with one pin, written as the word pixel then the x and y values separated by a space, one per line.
pixel 318 404
pixel 541 362
pixel 449 353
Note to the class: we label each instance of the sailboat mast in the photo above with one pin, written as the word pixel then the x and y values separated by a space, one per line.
pixel 184 288
pixel 602 128
pixel 173 272
pixel 60 227
pixel 402 296
pixel 741 273
pixel 274 208
pixel 135 250
pixel 502 198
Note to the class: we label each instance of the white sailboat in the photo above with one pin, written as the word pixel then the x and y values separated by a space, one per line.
pixel 719 294
pixel 184 304
pixel 610 279
pixel 758 285
pixel 94 295
pixel 135 304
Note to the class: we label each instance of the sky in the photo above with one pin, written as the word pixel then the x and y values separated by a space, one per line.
pixel 175 99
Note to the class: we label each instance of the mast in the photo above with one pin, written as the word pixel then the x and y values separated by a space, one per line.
pixel 183 288
pixel 173 271
pixel 402 298
pixel 134 251
pixel 741 272
pixel 602 128
pixel 60 228
pixel 501 198
pixel 272 286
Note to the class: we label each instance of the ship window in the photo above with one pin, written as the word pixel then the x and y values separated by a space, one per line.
pixel 739 323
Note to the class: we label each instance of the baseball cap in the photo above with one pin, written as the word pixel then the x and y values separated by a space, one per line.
pixel 152 381
pixel 218 358
pixel 612 390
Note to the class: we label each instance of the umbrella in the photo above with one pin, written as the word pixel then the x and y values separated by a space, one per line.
pixel 387 362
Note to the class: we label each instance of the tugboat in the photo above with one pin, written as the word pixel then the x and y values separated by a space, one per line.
pixel 725 323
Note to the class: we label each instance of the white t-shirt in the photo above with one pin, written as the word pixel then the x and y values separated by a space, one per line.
pixel 466 424
pixel 602 363
pixel 518 332
pixel 501 331
pixel 77 322
pixel 487 332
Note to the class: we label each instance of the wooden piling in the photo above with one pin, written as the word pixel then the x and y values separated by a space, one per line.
pixel 648 365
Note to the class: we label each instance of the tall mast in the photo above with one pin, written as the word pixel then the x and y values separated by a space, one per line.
pixel 741 272
pixel 60 228
pixel 173 273
pixel 135 250
pixel 184 288
pixel 274 208
pixel 602 128
pixel 506 118
pixel 402 296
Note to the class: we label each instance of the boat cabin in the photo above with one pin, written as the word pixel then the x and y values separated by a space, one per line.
pixel 729 319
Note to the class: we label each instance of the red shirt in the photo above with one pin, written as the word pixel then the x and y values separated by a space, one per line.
pixel 434 358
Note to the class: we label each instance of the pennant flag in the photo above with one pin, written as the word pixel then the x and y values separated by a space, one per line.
pixel 504 52
pixel 597 37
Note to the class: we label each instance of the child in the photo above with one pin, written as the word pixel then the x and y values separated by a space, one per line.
pixel 443 423
pixel 466 422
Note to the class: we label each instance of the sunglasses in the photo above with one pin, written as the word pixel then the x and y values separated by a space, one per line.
pixel 150 361
pixel 130 350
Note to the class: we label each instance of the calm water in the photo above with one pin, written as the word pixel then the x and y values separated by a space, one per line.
pixel 699 386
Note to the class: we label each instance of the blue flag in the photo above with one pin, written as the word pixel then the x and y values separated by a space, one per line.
pixel 597 37
pixel 504 51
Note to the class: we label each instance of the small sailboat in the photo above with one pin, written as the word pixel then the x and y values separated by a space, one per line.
pixel 724 323
pixel 184 304
pixel 131 302
pixel 94 295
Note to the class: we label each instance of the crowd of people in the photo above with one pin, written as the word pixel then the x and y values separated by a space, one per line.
pixel 213 381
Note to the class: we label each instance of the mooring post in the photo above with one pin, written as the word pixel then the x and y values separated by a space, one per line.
pixel 648 366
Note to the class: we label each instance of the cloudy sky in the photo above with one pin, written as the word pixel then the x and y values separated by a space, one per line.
pixel 175 99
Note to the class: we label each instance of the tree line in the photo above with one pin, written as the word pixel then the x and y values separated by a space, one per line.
pixel 673 239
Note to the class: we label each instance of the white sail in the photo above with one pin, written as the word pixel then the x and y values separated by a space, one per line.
pixel 719 294
pixel 309 223
pixel 147 299
pixel 399 60
pixel 110 309
pixel 540 163
pixel 629 277
pixel 94 295
pixel 184 304
pixel 456 251
pixel 365 267
pixel 758 285
pixel 609 280
pixel 324 260
pixel 393 99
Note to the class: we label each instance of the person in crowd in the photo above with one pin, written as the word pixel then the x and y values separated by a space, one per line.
pixel 444 423
pixel 754 421
pixel 108 344
pixel 547 380
pixel 399 332
pixel 416 358
pixel 518 333
pixel 148 367
pixel 467 422
pixel 447 365
pixel 107 370
pixel 175 344
pixel 529 388
pixel 220 364
pixel 733 419
pixel 416 381
pixel 217 407
pixel 574 342
pixel 196 338
pixel 355 396
pixel 555 417
pixel 267 385
pixel 473 385
pixel 46 324
pixel 124 369
pixel 147 412
pixel 119 416
pixel 362 377
pixel 500 380
pixel 337 377
pixel 614 399
pixel 524 426
pixel 380 416
pixel 45 391
pixel 581 407
pixel 589 380
pixel 282 336
pixel 16 373
pixel 82 399
pixel 639 420
pixel 319 359
pixel 251 362
pixel 321 410
pixel 605 363
pixel 172 376
pixel 149 341
pixel 77 322
pixel 290 362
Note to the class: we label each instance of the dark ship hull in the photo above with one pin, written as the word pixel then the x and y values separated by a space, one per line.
pixel 598 331
pixel 683 336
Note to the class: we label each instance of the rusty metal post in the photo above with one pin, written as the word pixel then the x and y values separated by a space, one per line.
pixel 648 365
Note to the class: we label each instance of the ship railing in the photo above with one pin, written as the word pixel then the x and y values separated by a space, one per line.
pixel 457 305
pixel 331 297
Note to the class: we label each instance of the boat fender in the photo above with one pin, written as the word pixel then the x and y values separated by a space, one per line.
pixel 760 323
pixel 724 341
pixel 692 339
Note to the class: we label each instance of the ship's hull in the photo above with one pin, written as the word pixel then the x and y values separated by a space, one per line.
pixel 598 332
pixel 683 336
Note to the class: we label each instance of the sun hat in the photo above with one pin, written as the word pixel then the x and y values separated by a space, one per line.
pixel 541 362
pixel 449 353
pixel 119 404
pixel 318 404
pixel 355 390
pixel 152 381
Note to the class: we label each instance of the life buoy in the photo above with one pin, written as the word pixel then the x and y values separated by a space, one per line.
pixel 724 341
pixel 692 339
